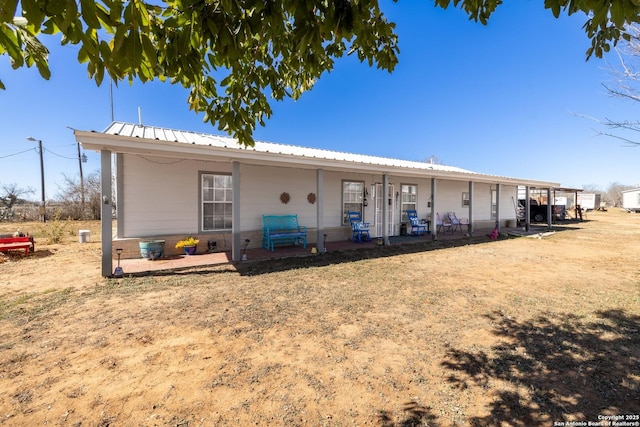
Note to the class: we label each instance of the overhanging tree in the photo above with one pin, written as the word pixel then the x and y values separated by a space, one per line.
pixel 626 85
pixel 233 55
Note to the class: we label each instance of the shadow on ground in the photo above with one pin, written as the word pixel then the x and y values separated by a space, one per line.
pixel 415 415
pixel 400 246
pixel 560 369
pixel 351 255
pixel 17 255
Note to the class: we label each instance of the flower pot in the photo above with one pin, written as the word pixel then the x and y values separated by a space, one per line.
pixel 151 249
pixel 190 250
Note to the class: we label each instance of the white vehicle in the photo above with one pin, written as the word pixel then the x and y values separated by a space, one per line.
pixel 631 200
pixel 589 201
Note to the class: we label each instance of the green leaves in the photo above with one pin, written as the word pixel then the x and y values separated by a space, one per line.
pixel 10 45
pixel 8 10
pixel 478 10
pixel 233 55
pixel 90 13
pixel 554 5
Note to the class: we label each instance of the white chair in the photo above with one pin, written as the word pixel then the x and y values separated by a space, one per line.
pixel 442 225
pixel 457 223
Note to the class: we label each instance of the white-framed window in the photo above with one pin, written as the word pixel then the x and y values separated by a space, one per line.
pixel 494 204
pixel 352 199
pixel 465 199
pixel 217 201
pixel 408 199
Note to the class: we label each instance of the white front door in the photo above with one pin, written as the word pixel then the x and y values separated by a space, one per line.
pixel 377 222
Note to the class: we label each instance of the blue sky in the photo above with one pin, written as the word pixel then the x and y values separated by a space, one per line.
pixel 504 99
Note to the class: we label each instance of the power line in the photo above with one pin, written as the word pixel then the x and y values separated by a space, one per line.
pixel 59 155
pixel 15 154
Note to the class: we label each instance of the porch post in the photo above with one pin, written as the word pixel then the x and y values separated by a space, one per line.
pixel 320 210
pixel 235 226
pixel 434 224
pixel 527 209
pixel 470 228
pixel 106 213
pixel 549 208
pixel 119 195
pixel 498 191
pixel 385 209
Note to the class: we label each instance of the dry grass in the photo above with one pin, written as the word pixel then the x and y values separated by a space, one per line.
pixel 516 332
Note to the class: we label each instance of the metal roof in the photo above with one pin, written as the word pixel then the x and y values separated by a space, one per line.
pixel 162 134
pixel 268 150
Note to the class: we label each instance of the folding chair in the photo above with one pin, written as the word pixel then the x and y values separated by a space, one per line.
pixel 457 223
pixel 442 225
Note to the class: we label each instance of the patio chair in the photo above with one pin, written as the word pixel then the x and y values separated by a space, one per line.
pixel 359 229
pixel 457 223
pixel 417 227
pixel 442 225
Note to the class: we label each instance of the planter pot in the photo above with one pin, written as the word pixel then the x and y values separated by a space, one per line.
pixel 151 249
pixel 190 250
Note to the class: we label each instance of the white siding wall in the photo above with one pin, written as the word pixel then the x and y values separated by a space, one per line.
pixel 482 202
pixel 508 202
pixel 260 191
pixel 161 195
pixel 262 187
pixel 267 183
pixel 424 196
pixel 333 196
pixel 449 198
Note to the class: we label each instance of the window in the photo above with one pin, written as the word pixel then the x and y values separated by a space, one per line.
pixel 494 204
pixel 217 202
pixel 352 198
pixel 465 199
pixel 408 200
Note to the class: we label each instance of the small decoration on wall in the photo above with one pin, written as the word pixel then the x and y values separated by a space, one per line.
pixel 284 198
pixel 311 198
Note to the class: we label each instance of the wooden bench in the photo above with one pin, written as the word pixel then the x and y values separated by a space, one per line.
pixel 15 243
pixel 282 229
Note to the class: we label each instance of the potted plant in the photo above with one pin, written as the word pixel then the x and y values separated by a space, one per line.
pixel 189 244
pixel 151 249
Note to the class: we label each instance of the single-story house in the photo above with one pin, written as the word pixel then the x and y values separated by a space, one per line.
pixel 170 184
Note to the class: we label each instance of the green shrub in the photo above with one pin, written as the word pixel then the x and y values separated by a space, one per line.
pixel 56 229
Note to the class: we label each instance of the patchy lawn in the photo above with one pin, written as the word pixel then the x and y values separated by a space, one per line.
pixel 521 331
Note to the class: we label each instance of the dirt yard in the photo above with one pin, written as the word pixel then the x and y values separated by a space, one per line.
pixel 518 332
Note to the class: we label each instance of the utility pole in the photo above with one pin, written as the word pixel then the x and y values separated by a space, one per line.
pixel 80 160
pixel 43 212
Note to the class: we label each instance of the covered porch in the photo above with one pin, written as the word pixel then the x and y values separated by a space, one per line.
pixel 339 251
pixel 169 192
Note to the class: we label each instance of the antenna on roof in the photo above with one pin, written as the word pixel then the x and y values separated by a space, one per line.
pixel 139 116
pixel 111 97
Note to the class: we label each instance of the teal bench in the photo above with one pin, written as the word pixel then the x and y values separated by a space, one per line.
pixel 282 229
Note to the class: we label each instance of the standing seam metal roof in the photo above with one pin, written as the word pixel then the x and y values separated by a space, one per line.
pixel 203 139
pixel 172 135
